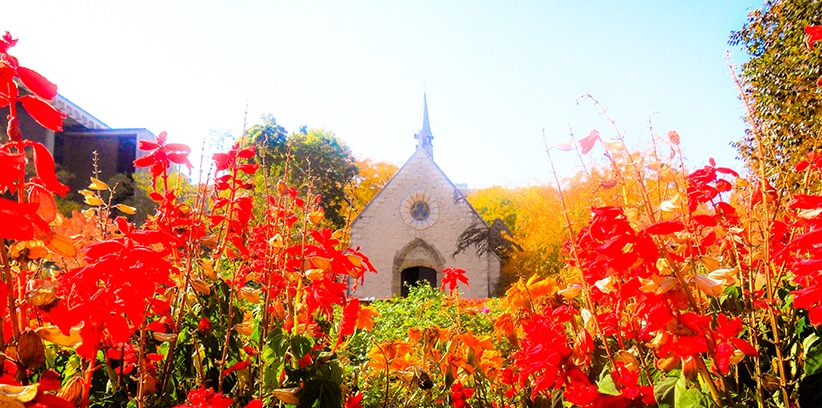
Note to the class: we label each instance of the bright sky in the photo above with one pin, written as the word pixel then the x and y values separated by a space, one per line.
pixel 497 74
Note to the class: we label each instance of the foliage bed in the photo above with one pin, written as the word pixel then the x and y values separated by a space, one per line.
pixel 687 288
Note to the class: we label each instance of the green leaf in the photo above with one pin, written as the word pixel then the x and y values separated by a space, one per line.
pixel 687 397
pixel 319 393
pixel 664 392
pixel 301 345
pixel 273 354
pixel 693 398
pixel 72 366
pixel 813 354
pixel 606 386
pixel 331 372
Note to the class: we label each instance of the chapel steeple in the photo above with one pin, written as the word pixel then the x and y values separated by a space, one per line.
pixel 424 137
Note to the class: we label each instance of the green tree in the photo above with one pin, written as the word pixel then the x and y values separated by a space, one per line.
pixel 779 80
pixel 314 157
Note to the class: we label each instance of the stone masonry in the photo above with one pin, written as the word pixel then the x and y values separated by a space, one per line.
pixel 414 221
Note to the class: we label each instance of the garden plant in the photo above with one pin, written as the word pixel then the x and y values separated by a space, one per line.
pixel 686 288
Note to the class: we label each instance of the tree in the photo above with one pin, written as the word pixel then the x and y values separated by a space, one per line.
pixel 370 179
pixel 779 81
pixel 314 157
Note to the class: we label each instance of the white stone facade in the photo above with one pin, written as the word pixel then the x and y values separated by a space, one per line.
pixel 396 235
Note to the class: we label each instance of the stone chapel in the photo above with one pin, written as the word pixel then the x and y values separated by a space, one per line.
pixel 410 228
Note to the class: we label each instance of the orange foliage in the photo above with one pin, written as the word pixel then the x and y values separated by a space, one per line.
pixel 370 179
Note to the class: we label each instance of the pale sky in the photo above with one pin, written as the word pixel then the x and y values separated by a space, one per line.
pixel 497 74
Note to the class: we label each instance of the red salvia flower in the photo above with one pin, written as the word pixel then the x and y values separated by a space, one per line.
pixel 162 155
pixel 452 277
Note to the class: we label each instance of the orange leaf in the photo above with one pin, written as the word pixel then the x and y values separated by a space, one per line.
pixel 365 320
pixel 61 245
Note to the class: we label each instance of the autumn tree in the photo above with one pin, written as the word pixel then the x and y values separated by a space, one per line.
pixel 779 80
pixel 371 177
pixel 314 157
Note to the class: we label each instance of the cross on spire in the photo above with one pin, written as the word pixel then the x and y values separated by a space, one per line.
pixel 424 137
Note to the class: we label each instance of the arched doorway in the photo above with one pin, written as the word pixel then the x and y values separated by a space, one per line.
pixel 415 275
pixel 416 262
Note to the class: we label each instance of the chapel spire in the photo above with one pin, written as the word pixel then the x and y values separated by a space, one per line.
pixel 424 137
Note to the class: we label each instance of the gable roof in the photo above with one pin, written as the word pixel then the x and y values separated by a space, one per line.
pixel 425 156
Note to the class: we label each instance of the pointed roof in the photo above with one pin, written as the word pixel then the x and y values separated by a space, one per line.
pixel 424 137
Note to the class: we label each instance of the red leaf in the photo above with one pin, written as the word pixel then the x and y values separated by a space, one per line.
pixel 102 248
pixel 806 202
pixel 726 170
pixel 236 366
pixel 155 356
pixel 147 145
pixel 50 401
pixel 178 147
pixel 145 161
pixel 665 227
pixel 349 319
pixel 814 34
pixel 221 161
pixel 249 168
pixel 37 83
pixel 246 153
pixel 255 403
pixel 723 185
pixel 49 381
pixel 705 220
pixel 12 169
pixel 44 164
pixel 42 112
pixel 19 219
pixel 744 346
pixel 587 143
pixel 179 158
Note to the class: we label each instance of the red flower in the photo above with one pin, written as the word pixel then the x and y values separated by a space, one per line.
pixel 814 34
pixel 206 398
pixel 355 401
pixel 36 105
pixel 459 394
pixel 162 155
pixel 452 277
pixel 204 325
pixel 255 403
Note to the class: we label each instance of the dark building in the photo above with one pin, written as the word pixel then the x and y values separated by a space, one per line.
pixel 82 135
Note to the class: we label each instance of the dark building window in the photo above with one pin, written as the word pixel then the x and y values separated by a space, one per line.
pixel 415 275
pixel 126 149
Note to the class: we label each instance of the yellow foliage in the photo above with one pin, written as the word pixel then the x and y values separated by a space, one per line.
pixel 370 179
pixel 536 291
pixel 394 355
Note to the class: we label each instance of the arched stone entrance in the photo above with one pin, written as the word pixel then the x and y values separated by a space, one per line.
pixel 417 261
pixel 414 275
